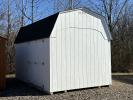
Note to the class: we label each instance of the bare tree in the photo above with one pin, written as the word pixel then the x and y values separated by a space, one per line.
pixel 60 5
pixel 70 4
pixel 9 18
pixel 122 46
pixel 111 9
pixel 117 15
pixel 2 19
pixel 21 6
pixel 22 15
pixel 27 9
pixel 34 4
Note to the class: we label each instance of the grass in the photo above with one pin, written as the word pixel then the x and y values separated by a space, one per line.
pixel 11 76
pixel 122 74
pixel 114 74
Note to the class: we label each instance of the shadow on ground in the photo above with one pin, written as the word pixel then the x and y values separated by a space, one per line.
pixel 124 78
pixel 18 88
pixel 15 87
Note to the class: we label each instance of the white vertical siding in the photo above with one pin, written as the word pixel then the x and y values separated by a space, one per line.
pixel 32 63
pixel 80 52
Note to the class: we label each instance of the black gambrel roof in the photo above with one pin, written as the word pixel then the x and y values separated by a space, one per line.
pixel 38 30
pixel 43 28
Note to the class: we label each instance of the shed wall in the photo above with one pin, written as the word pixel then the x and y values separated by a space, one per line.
pixel 32 62
pixel 80 54
pixel 3 63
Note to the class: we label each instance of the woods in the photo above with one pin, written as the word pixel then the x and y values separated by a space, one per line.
pixel 118 13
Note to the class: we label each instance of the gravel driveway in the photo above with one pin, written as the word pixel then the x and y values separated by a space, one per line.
pixel 122 89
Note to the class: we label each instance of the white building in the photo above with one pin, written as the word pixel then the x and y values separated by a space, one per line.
pixel 65 51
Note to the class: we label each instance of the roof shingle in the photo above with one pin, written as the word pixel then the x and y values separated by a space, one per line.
pixel 38 30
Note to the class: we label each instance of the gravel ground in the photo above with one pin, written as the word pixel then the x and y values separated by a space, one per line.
pixel 122 89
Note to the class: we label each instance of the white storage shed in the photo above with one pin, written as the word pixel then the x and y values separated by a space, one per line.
pixel 65 51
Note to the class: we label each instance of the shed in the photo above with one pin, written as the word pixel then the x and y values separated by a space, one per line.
pixel 3 62
pixel 65 51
